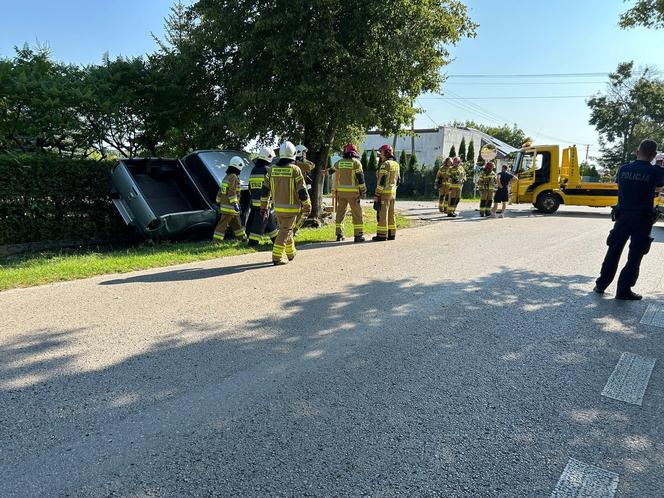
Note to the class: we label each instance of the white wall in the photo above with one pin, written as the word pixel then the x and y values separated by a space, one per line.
pixel 429 144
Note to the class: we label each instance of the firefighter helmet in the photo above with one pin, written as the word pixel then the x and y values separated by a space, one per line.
pixel 386 150
pixel 287 150
pixel 352 150
pixel 266 154
pixel 300 149
pixel 489 167
pixel 237 162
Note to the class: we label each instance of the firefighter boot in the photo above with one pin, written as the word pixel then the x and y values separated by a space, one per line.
pixel 359 238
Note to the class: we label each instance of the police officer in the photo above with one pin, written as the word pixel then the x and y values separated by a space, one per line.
pixel 486 185
pixel 442 184
pixel 260 229
pixel 634 216
pixel 386 193
pixel 349 188
pixel 457 175
pixel 228 201
pixel 284 184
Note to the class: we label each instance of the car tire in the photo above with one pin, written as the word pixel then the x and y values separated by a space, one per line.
pixel 547 203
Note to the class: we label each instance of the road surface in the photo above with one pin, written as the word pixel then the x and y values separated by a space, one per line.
pixel 468 358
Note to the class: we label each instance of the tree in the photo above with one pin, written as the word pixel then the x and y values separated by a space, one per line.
pixel 364 160
pixel 403 160
pixel 648 13
pixel 470 157
pixel 462 149
pixel 632 110
pixel 373 162
pixel 40 105
pixel 303 70
pixel 513 135
pixel 452 152
pixel 413 166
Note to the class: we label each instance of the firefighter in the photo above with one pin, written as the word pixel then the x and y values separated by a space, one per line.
pixel 349 188
pixel 457 176
pixel 284 184
pixel 386 192
pixel 442 184
pixel 303 163
pixel 486 185
pixel 260 229
pixel 228 202
pixel 307 168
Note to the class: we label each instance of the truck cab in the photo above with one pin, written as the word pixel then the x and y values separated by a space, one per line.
pixel 547 177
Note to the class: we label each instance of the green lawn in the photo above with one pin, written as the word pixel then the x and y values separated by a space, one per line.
pixel 47 267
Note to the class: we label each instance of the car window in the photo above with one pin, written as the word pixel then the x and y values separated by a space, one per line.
pixel 217 163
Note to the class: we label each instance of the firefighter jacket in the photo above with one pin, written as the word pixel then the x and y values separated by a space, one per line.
pixel 388 179
pixel 306 167
pixel 256 180
pixel 457 175
pixel 349 177
pixel 486 180
pixel 284 184
pixel 227 198
pixel 443 176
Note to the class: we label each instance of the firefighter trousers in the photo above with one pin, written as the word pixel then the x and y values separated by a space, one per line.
pixel 284 242
pixel 636 228
pixel 486 200
pixel 453 196
pixel 442 197
pixel 353 200
pixel 387 224
pixel 260 230
pixel 231 221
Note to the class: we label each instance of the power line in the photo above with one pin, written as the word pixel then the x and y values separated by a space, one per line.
pixel 497 118
pixel 507 97
pixel 515 83
pixel 542 75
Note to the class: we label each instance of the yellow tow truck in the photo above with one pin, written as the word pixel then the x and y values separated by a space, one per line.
pixel 546 178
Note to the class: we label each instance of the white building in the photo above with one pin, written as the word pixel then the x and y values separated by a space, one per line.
pixel 431 143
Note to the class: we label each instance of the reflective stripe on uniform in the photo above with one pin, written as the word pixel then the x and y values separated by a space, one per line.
pixel 218 236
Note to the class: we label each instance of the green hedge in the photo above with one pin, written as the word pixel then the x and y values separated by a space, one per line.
pixel 46 198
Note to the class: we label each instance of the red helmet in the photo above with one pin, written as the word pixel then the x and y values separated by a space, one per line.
pixel 386 150
pixel 489 166
pixel 352 150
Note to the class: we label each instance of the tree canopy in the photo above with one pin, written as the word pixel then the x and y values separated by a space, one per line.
pixel 323 71
pixel 647 13
pixel 630 111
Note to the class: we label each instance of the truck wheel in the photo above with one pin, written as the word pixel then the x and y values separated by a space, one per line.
pixel 547 203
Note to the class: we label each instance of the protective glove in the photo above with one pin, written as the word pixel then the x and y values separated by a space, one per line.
pixel 264 214
pixel 237 208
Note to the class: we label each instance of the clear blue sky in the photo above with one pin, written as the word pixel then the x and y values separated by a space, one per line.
pixel 514 37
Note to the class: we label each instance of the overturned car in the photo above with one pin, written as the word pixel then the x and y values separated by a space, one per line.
pixel 175 198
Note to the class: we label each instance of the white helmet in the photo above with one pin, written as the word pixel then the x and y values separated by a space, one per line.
pixel 266 154
pixel 287 150
pixel 300 149
pixel 237 162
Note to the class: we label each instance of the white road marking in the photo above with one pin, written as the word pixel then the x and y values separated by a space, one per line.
pixel 581 480
pixel 629 379
pixel 654 315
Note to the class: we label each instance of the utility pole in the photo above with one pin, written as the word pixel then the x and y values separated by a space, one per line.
pixel 587 152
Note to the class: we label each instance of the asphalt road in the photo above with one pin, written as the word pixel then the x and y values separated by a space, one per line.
pixel 467 358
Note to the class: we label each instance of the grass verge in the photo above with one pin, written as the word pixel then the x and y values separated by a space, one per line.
pixel 28 270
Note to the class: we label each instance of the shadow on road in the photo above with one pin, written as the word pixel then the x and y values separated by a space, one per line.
pixel 186 274
pixel 384 388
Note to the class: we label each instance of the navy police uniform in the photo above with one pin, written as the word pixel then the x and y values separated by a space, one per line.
pixel 634 216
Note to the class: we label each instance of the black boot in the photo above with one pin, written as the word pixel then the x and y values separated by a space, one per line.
pixel 379 238
pixel 628 296
pixel 391 236
pixel 252 243
pixel 359 238
pixel 340 238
